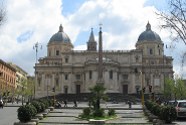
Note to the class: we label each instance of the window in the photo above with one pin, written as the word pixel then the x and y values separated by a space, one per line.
pixel 150 51
pixel 111 74
pixel 39 82
pixel 159 52
pixel 57 52
pixel 66 60
pixel 49 53
pixel 137 58
pixel 125 76
pixel 90 74
pixel 78 76
pixel 57 82
pixel 66 76
pixel 66 89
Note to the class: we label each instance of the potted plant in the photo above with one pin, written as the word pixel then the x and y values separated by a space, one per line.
pixel 25 114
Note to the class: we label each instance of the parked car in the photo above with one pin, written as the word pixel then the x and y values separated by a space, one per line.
pixel 180 106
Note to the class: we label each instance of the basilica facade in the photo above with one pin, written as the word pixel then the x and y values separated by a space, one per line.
pixel 68 71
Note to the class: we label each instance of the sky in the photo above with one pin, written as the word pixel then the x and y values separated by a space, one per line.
pixel 31 21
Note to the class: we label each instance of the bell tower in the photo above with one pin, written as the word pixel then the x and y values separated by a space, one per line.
pixel 91 44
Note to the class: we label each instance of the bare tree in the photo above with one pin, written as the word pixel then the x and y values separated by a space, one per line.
pixel 2 13
pixel 175 20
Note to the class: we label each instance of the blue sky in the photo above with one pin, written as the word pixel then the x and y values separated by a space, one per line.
pixel 31 21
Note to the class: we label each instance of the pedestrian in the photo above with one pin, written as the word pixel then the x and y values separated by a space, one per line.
pixel 65 103
pixel 75 103
pixel 1 104
pixel 130 104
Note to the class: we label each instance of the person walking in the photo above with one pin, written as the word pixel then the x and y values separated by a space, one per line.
pixel 75 103
pixel 65 103
pixel 130 104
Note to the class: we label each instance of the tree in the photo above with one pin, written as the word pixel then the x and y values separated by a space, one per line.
pixel 2 13
pixel 29 89
pixel 98 93
pixel 180 88
pixel 169 88
pixel 174 88
pixel 175 21
pixel 23 88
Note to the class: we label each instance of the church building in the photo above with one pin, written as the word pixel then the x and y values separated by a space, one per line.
pixel 68 71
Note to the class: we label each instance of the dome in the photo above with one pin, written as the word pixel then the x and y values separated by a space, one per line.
pixel 149 35
pixel 60 36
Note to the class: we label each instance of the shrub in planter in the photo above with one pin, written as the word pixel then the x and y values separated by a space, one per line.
pixel 156 109
pixel 149 105
pixel 45 102
pixel 37 105
pixel 50 102
pixel 25 113
pixel 168 114
pixel 98 112
pixel 42 107
pixel 34 110
pixel 111 112
pixel 86 112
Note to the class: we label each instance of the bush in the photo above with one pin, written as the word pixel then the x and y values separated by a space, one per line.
pixel 168 114
pixel 86 112
pixel 111 112
pixel 50 102
pixel 149 105
pixel 98 112
pixel 46 103
pixel 37 105
pixel 25 113
pixel 156 109
pixel 34 110
pixel 42 106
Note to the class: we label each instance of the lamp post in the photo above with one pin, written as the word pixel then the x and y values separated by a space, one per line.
pixel 142 87
pixel 54 89
pixel 162 49
pixel 35 47
pixel 142 91
pixel 1 89
pixel 22 94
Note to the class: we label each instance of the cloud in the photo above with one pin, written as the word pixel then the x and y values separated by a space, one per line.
pixel 31 21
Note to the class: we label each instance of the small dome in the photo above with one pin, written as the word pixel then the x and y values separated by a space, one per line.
pixel 149 35
pixel 60 36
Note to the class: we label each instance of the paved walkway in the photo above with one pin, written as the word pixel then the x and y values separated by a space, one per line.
pixel 67 116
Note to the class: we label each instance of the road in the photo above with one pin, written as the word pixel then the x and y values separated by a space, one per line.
pixel 8 115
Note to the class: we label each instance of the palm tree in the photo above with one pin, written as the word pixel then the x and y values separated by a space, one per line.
pixel 98 93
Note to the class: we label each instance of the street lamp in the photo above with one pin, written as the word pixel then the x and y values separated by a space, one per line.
pixel 35 47
pixel 142 91
pixel 142 87
pixel 162 49
pixel 54 90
